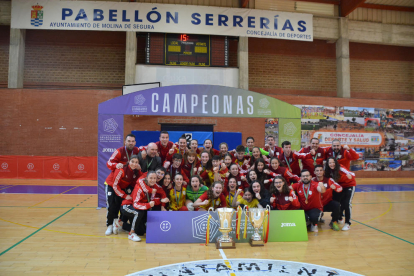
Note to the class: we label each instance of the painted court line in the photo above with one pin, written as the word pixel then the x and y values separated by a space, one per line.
pixel 227 262
pixel 16 244
pixel 54 196
pixel 383 232
pixel 222 254
pixel 66 207
pixel 383 214
pixel 382 202
pixel 68 233
pixel 3 188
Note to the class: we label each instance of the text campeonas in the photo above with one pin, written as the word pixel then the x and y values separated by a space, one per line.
pixel 216 104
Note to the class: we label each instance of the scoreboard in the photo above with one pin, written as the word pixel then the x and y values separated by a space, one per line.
pixel 187 50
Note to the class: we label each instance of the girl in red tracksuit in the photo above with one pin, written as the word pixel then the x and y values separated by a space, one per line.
pixel 346 179
pixel 240 177
pixel 115 184
pixel 191 164
pixel 256 154
pixel 276 168
pixel 205 168
pixel 282 198
pixel 208 146
pixel 228 160
pixel 143 199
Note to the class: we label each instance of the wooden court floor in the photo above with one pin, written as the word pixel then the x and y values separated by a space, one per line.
pixel 44 234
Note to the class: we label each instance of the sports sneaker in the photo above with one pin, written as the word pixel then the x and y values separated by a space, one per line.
pixel 109 230
pixel 335 226
pixel 134 237
pixel 314 228
pixel 346 227
pixel 321 220
pixel 116 227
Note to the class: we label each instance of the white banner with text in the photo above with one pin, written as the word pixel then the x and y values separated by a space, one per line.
pixel 161 18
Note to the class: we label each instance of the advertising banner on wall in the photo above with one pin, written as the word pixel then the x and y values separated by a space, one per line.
pixel 48 167
pixel 353 139
pixel 8 166
pixel 384 138
pixel 56 167
pixel 161 18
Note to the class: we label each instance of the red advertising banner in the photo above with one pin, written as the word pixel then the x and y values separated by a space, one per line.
pixel 8 166
pixel 30 167
pixel 56 167
pixel 48 167
pixel 83 167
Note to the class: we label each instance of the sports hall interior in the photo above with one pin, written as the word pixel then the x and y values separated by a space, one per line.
pixel 52 81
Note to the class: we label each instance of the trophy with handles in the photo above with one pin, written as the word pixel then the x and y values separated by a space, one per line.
pixel 256 216
pixel 225 217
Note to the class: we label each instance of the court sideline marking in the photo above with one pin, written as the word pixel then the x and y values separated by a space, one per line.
pixel 383 232
pixel 16 244
pixel 62 232
pixel 68 233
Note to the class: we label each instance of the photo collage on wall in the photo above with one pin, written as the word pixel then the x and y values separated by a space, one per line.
pixel 384 138
pixel 272 128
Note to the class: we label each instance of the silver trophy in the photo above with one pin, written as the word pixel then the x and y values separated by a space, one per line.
pixel 225 217
pixel 256 217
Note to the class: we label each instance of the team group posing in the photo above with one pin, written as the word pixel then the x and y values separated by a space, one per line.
pixel 179 177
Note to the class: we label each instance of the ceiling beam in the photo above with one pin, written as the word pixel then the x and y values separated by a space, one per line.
pixel 244 3
pixel 349 6
pixel 333 2
pixel 385 7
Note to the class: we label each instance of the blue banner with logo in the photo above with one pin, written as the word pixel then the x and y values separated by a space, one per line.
pixel 110 138
pixel 190 227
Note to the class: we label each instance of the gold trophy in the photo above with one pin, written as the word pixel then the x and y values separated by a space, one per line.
pixel 225 216
pixel 256 217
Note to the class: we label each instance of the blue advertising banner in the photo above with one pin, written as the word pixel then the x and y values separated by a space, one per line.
pixel 110 137
pixel 190 227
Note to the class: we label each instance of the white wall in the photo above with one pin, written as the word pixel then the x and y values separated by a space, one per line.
pixel 175 75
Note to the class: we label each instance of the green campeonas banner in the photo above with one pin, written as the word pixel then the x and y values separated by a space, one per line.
pixel 200 101
pixel 290 130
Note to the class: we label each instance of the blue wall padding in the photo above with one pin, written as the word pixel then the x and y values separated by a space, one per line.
pixel 233 139
pixel 143 138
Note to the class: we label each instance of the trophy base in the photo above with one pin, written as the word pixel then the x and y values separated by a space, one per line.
pixel 225 245
pixel 256 243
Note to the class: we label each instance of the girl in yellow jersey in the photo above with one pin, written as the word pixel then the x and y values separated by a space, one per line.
pixel 230 192
pixel 248 199
pixel 177 195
